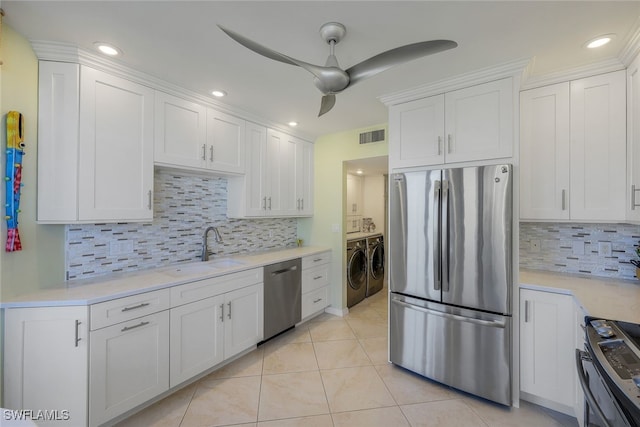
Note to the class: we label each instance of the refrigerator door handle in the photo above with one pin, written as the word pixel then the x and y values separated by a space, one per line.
pixel 437 233
pixel 444 238
pixel 490 323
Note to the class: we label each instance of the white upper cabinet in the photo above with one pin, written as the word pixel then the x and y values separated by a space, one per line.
pixel 180 132
pixel 573 150
pixel 474 123
pixel 278 178
pixel 95 159
pixel 598 147
pixel 544 152
pixel 633 140
pixel 191 136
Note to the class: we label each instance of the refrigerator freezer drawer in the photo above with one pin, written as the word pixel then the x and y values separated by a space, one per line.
pixel 470 353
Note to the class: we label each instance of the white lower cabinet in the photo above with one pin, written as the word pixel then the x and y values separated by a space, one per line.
pixel 316 270
pixel 578 404
pixel 547 349
pixel 129 365
pixel 46 363
pixel 244 320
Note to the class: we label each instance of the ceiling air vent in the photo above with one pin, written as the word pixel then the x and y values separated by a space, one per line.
pixel 372 136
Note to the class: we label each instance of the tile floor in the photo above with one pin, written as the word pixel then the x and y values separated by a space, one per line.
pixel 331 371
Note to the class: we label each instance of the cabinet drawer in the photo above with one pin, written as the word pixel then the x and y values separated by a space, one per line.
pixel 122 309
pixel 314 278
pixel 317 259
pixel 315 301
pixel 206 288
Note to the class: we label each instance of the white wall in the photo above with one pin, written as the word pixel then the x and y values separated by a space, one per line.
pixel 373 195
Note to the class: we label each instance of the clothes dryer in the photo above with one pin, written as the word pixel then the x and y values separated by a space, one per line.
pixel 356 271
pixel 375 261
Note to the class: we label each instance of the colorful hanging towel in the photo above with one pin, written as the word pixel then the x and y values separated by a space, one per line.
pixel 15 151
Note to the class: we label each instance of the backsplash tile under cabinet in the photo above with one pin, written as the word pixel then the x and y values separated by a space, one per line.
pixel 574 248
pixel 184 205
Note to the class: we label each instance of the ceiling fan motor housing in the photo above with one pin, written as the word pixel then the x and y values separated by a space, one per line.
pixel 332 31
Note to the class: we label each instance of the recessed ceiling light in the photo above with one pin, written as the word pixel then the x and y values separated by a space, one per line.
pixel 359 171
pixel 218 93
pixel 293 124
pixel 599 41
pixel 107 49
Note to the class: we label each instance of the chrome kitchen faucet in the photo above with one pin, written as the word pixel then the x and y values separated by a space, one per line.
pixel 205 249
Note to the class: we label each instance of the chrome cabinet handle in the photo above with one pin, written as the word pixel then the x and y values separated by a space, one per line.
pixel 150 201
pixel 298 204
pixel 269 203
pixel 439 145
pixel 78 339
pixel 302 204
pixel 264 203
pixel 564 200
pixel 315 301
pixel 211 153
pixel 222 312
pixel 128 328
pixel 204 151
pixel 229 314
pixel 526 311
pixel 449 144
pixel 135 307
pixel 317 277
pixel 633 197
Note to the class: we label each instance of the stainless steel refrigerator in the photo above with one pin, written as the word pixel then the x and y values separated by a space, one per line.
pixel 450 277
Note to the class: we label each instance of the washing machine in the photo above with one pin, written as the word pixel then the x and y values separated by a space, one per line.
pixel 356 271
pixel 375 264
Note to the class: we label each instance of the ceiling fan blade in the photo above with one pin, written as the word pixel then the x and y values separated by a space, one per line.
pixel 327 103
pixel 316 70
pixel 385 60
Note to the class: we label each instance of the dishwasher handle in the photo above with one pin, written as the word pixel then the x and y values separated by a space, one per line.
pixel 284 270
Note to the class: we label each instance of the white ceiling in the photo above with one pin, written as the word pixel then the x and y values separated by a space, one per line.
pixel 178 41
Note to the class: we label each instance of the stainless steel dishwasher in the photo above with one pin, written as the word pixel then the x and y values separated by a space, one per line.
pixel 282 296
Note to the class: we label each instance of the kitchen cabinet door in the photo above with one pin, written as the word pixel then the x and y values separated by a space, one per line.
pixel 243 319
pixel 197 338
pixel 547 349
pixel 115 169
pixel 304 177
pixel 479 122
pixel 416 133
pixel 129 364
pixel 225 142
pixel 355 195
pixel 633 140
pixel 544 153
pixel 281 196
pixel 598 148
pixel 47 365
pixel 180 132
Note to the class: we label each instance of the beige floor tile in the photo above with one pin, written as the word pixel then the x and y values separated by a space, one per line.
pixel 296 357
pixel 368 328
pixel 326 317
pixel 246 366
pixel 364 312
pixel 377 349
pixel 314 421
pixel 527 415
pixel 166 413
pixel 443 413
pixel 292 395
pixel 330 331
pixel 297 334
pixel 351 389
pixel 340 354
pixel 379 417
pixel 407 387
pixel 222 402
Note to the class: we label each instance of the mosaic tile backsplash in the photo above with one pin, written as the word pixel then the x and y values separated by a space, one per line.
pixel 580 248
pixel 184 205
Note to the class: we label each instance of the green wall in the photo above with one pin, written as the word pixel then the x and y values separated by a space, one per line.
pixel 330 199
pixel 40 264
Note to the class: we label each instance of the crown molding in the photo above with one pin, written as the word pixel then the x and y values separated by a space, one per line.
pixel 573 74
pixel 508 69
pixel 65 52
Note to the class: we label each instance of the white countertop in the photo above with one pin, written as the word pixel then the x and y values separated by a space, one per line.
pixel 362 235
pixel 614 299
pixel 105 288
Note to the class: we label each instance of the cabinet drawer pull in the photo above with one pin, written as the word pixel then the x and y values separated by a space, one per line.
pixel 317 277
pixel 317 260
pixel 315 301
pixel 204 151
pixel 633 197
pixel 222 312
pixel 264 203
pixel 564 200
pixel 229 304
pixel 128 328
pixel 135 307
pixel 211 153
pixel 78 339
pixel 150 202
pixel 526 311
pixel 269 203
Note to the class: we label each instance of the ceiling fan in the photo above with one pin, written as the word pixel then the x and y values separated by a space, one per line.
pixel 330 78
